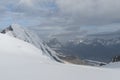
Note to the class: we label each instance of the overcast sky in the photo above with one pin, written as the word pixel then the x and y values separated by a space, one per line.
pixel 62 17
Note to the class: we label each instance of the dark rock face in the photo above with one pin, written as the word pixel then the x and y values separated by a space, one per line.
pixel 116 59
pixel 7 29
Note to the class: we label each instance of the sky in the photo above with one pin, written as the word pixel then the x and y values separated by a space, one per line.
pixel 62 17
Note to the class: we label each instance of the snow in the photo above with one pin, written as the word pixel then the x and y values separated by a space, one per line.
pixel 114 65
pixel 15 48
pixel 20 60
pixel 15 30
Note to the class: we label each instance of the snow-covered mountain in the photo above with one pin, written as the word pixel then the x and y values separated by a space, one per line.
pixel 19 32
pixel 20 60
pixel 54 44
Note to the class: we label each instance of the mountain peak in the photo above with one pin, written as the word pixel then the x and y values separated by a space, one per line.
pixel 26 35
pixel 12 28
pixel 7 29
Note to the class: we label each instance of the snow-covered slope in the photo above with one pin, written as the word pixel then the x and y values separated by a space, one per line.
pixel 17 31
pixel 114 65
pixel 20 60
pixel 15 50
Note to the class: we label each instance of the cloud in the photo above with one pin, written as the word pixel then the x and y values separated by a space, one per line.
pixel 74 12
pixel 91 12
pixel 62 16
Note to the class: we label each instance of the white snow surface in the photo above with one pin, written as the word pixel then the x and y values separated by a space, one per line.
pixel 22 61
pixel 114 65
pixel 16 49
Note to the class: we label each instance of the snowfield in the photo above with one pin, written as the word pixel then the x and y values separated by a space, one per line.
pixel 20 60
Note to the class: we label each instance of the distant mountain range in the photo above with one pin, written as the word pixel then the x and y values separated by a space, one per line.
pixel 99 47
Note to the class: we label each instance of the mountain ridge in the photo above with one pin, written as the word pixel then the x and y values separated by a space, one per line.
pixel 26 35
pixel 99 47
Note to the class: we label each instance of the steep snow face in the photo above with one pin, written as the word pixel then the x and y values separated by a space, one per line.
pixel 15 50
pixel 17 31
